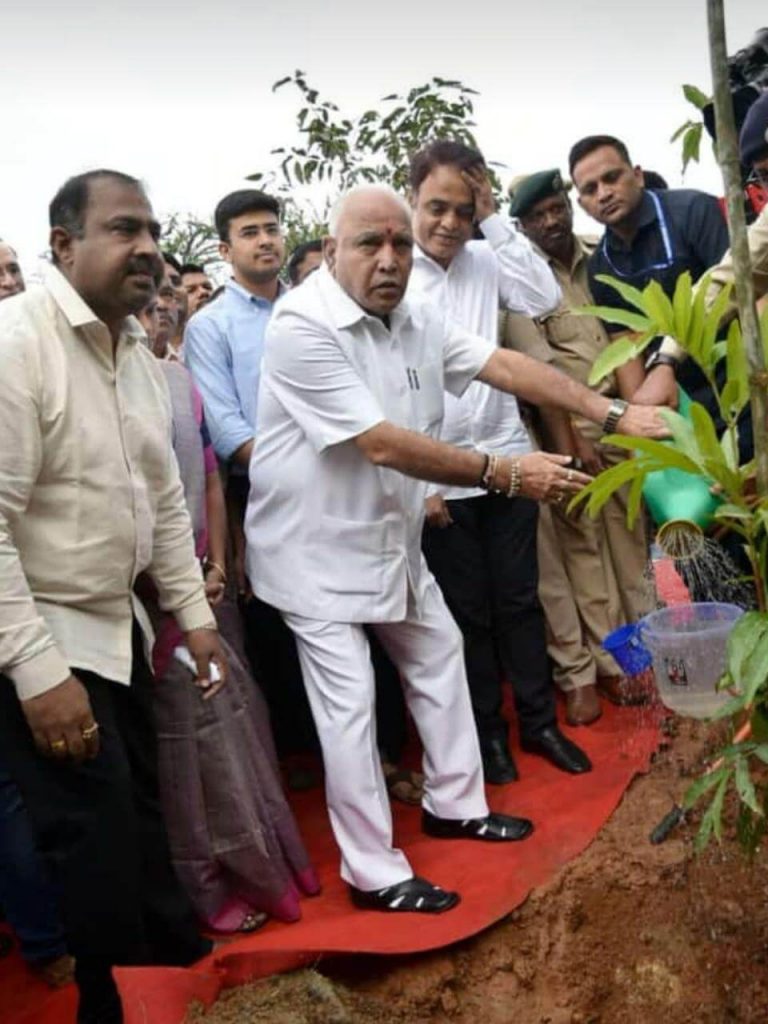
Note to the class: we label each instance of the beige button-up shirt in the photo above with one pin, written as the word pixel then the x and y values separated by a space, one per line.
pixel 90 494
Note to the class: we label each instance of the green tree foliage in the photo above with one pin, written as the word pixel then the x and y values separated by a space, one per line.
pixel 691 132
pixel 336 151
pixel 190 239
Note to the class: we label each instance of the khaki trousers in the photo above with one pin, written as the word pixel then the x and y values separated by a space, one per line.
pixel 591 581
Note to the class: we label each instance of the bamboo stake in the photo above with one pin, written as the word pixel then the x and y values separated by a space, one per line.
pixel 728 158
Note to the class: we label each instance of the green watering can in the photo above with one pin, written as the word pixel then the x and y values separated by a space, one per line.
pixel 673 496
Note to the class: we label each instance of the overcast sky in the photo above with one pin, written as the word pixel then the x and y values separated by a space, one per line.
pixel 179 94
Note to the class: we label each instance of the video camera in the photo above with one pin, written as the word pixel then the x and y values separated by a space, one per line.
pixel 748 79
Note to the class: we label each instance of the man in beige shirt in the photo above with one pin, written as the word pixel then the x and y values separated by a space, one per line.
pixel 90 497
pixel 591 571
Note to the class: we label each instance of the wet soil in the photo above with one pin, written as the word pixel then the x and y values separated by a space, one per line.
pixel 628 933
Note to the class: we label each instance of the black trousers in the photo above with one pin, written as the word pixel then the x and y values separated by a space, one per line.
pixel 99 828
pixel 486 566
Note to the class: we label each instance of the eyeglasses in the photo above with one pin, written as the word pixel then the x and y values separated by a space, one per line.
pixel 758 176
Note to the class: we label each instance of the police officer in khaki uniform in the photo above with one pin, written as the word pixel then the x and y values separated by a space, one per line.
pixel 592 571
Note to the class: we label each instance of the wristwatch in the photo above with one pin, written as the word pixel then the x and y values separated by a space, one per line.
pixel 616 410
pixel 659 358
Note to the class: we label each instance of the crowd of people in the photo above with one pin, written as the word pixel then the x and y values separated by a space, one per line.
pixel 299 512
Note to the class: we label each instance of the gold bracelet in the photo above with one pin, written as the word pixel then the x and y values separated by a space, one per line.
pixel 515 478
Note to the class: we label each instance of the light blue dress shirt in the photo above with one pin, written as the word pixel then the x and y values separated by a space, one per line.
pixel 223 346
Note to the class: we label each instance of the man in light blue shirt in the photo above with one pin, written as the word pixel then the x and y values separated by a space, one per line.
pixel 223 345
pixel 223 342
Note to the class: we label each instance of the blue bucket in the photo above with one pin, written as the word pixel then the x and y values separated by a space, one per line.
pixel 628 650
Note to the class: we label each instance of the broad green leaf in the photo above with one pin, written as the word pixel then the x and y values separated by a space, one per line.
pixel 732 707
pixel 716 807
pixel 711 328
pixel 679 131
pixel 761 752
pixel 692 144
pixel 681 303
pixel 614 355
pixel 706 435
pixel 755 669
pixel 662 454
pixel 742 639
pixel 697 789
pixel 712 819
pixel 745 787
pixel 659 307
pixel 692 342
pixel 597 493
pixel 730 511
pixel 635 321
pixel 628 292
pixel 695 96
pixel 737 370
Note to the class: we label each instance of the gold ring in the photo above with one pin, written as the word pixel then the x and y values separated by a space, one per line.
pixel 90 732
pixel 58 745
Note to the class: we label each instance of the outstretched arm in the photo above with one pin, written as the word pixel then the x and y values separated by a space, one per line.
pixel 540 384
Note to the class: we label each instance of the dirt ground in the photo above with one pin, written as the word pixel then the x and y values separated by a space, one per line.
pixel 628 933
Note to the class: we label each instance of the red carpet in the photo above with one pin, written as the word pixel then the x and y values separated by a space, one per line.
pixel 568 812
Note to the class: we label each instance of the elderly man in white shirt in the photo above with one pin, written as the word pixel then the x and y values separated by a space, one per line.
pixel 482 548
pixel 350 408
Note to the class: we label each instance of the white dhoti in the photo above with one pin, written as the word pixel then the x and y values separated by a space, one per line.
pixel 336 664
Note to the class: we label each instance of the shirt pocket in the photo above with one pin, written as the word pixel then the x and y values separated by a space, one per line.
pixel 347 556
pixel 427 394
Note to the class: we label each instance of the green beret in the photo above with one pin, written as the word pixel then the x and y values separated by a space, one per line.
pixel 527 189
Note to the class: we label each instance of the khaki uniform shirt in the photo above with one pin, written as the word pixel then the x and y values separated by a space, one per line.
pixel 90 494
pixel 568 341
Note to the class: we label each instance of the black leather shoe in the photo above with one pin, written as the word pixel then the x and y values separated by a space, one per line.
pixel 498 766
pixel 415 894
pixel 557 748
pixel 494 828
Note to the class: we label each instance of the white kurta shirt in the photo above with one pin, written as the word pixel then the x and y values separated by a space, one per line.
pixel 330 535
pixel 502 269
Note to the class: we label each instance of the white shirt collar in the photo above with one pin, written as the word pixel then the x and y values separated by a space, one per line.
pixel 345 310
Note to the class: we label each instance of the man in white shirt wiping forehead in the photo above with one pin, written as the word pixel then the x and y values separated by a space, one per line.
pixel 350 409
pixel 482 547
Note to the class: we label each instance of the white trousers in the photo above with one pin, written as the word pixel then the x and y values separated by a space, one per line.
pixel 338 675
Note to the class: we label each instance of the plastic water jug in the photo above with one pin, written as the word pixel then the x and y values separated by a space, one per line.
pixel 688 646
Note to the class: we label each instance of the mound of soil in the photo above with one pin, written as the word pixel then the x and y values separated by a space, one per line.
pixel 628 933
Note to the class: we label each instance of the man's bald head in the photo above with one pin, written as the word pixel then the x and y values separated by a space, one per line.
pixel 11 278
pixel 365 197
pixel 369 250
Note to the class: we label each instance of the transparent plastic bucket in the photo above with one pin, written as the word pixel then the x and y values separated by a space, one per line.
pixel 688 646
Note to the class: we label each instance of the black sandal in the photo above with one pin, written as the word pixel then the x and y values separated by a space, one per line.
pixel 416 895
